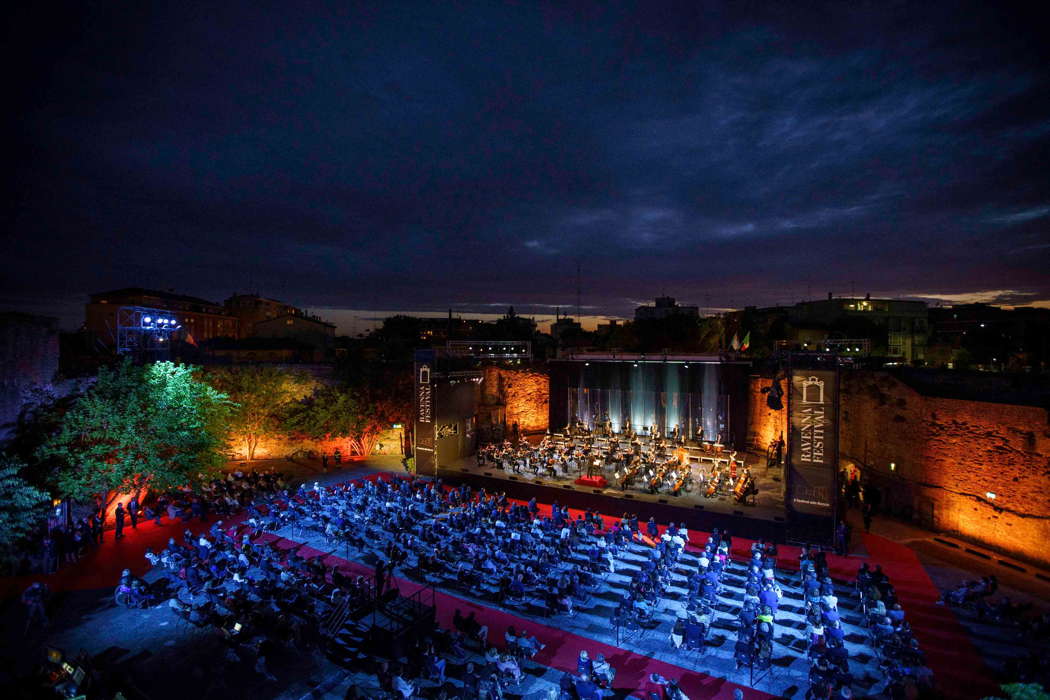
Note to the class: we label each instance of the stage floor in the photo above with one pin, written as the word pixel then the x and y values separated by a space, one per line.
pixel 769 502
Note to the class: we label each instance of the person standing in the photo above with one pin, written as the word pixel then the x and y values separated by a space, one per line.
pixel 35 598
pixel 133 512
pixel 841 539
pixel 119 514
pixel 96 528
pixel 865 512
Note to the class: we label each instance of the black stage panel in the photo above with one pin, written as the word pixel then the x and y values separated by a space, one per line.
pixel 706 397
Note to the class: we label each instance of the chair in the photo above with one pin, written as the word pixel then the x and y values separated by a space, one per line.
pixel 695 636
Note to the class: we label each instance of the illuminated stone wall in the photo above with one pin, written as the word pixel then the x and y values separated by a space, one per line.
pixel 524 392
pixel 937 460
pixel 764 424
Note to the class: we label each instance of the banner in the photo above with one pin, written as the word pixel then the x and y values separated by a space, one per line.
pixel 813 441
pixel 424 405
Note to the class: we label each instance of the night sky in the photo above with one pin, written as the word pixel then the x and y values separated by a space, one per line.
pixel 404 156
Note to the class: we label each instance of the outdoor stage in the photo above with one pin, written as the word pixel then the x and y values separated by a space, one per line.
pixel 766 519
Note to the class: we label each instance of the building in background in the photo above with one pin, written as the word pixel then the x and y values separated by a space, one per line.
pixel 665 307
pixel 308 331
pixel 252 308
pixel 268 326
pixel 905 324
pixel 198 320
pixel 984 337
pixel 894 329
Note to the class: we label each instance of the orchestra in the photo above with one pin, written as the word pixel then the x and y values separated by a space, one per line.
pixel 652 462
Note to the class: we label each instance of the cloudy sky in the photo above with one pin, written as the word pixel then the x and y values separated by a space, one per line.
pixel 425 156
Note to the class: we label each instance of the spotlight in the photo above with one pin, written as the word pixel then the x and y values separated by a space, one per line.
pixel 147 320
pixel 990 495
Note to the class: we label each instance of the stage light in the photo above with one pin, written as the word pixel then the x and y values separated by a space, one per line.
pixel 990 495
pixel 147 320
pixel 893 466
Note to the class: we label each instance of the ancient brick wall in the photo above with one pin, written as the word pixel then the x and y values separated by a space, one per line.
pixel 937 460
pixel 763 423
pixel 28 358
pixel 974 449
pixel 524 392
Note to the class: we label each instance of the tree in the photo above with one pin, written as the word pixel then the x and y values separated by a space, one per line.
pixel 343 413
pixel 139 427
pixel 262 395
pixel 1023 691
pixel 22 507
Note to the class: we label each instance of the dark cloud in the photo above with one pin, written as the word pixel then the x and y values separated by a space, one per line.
pixel 421 156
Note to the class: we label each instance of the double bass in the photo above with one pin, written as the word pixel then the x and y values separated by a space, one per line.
pixel 745 486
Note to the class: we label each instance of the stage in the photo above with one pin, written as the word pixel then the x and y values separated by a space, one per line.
pixel 766 519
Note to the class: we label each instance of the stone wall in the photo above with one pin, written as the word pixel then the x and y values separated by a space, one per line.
pixel 763 423
pixel 28 357
pixel 937 460
pixel 525 393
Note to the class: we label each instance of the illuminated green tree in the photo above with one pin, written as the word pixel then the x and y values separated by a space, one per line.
pixel 22 508
pixel 262 395
pixel 1023 691
pixel 155 426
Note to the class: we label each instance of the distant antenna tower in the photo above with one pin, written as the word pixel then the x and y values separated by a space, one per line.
pixel 579 293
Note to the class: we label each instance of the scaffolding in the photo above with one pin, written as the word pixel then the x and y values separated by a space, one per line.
pixel 145 333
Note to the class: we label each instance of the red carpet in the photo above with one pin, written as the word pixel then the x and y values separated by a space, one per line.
pixel 563 647
pixel 958 668
pixel 101 566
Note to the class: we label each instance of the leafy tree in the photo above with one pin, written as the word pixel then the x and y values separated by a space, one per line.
pixel 343 413
pixel 22 507
pixel 155 426
pixel 1023 691
pixel 262 395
